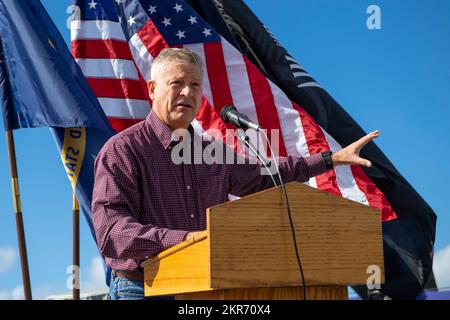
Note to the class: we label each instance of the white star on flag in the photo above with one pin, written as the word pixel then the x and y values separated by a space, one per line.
pixel 207 32
pixel 118 2
pixel 120 19
pixel 131 21
pixel 180 34
pixel 92 4
pixel 178 7
pixel 166 22
pixel 192 19
pixel 152 9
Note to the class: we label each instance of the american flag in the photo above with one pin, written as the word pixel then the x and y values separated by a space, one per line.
pixel 115 42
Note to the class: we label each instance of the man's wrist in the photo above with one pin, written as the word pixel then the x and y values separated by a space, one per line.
pixel 327 158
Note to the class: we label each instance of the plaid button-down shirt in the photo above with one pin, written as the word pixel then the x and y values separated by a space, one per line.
pixel 143 203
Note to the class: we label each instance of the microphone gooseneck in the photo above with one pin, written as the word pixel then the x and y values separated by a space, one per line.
pixel 230 114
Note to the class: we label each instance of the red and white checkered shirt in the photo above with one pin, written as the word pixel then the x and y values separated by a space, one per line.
pixel 143 203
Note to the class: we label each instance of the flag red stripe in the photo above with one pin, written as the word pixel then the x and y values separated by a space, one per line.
pixel 143 84
pixel 116 88
pixel 375 197
pixel 217 75
pixel 101 49
pixel 121 124
pixel 317 143
pixel 266 109
pixel 210 119
pixel 152 39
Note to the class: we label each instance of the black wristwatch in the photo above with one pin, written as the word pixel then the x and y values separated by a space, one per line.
pixel 328 160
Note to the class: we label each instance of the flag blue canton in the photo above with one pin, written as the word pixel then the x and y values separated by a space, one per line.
pixel 175 20
pixel 97 10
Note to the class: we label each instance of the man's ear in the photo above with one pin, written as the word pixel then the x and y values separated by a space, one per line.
pixel 151 88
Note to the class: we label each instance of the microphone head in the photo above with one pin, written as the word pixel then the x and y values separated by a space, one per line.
pixel 225 112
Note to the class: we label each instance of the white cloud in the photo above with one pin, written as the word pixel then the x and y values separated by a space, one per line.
pixel 4 295
pixel 441 267
pixel 95 281
pixel 44 291
pixel 15 294
pixel 94 275
pixel 8 257
pixel 39 293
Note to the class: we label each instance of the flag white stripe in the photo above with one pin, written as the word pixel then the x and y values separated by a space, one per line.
pixel 292 128
pixel 198 127
pixel 239 81
pixel 200 51
pixel 241 91
pixel 309 84
pixel 302 74
pixel 108 68
pixel 96 30
pixel 125 108
pixel 295 62
pixel 295 66
pixel 141 56
pixel 346 182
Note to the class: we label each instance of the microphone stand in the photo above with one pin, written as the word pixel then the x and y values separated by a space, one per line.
pixel 246 140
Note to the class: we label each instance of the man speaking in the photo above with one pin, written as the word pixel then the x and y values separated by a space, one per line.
pixel 144 203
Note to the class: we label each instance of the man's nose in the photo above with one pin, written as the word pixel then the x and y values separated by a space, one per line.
pixel 187 90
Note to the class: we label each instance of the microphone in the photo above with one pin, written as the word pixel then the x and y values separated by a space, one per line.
pixel 231 115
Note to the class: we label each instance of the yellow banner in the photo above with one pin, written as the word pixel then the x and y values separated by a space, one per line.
pixel 72 152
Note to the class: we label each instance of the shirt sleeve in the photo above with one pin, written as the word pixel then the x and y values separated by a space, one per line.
pixel 116 207
pixel 246 179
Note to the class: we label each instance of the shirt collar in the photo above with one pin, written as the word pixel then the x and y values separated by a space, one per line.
pixel 162 131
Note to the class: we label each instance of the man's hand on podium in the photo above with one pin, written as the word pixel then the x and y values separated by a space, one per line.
pixel 194 235
pixel 350 154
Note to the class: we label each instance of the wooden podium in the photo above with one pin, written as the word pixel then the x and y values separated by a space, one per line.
pixel 247 251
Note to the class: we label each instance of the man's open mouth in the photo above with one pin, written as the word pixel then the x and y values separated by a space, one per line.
pixel 185 105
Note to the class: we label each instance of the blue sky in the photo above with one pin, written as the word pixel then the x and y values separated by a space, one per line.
pixel 396 79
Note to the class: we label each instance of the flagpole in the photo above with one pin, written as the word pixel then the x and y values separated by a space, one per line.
pixel 18 214
pixel 76 247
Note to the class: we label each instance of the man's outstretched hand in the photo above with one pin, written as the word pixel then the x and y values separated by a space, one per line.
pixel 350 154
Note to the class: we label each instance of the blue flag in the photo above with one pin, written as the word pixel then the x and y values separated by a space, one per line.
pixel 46 85
pixel 42 85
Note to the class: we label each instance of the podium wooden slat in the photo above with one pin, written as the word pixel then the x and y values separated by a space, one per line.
pixel 287 293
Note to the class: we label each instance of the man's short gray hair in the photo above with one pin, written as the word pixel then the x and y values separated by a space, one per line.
pixel 177 55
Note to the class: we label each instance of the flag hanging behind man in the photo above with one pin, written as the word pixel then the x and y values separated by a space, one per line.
pixel 115 42
pixel 231 78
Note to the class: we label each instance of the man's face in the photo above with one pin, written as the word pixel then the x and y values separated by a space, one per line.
pixel 177 94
